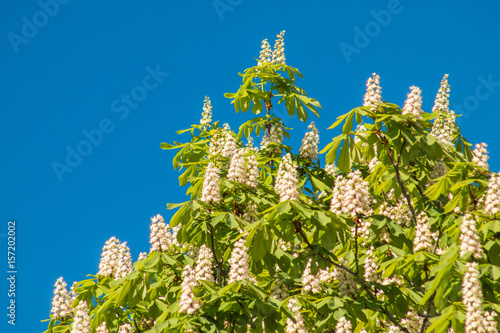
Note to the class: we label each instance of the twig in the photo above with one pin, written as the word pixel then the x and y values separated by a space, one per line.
pixel 426 318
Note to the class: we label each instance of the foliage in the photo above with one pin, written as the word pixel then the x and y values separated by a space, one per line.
pixel 395 155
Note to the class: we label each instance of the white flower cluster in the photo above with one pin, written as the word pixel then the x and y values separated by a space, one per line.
pixel 444 125
pixel 481 155
pixel 343 325
pixel 309 147
pixel 160 237
pixel 81 323
pixel 244 168
pixel 126 328
pixel 476 320
pixel 175 231
pixel 210 192
pixel 423 237
pixel 347 285
pixel 325 276
pixel 412 322
pixel 204 269
pixel 310 282
pixel 142 255
pixel 398 212
pixel 188 304
pixel 393 329
pixel 275 136
pixel 279 291
pixel 279 49
pixel 287 181
pixel 370 266
pixel 116 261
pixel 469 238
pixel 413 103
pixel 441 103
pixel 61 302
pixel 373 95
pixel 490 322
pixel 266 53
pixel 222 142
pixel 102 328
pixel 207 112
pixel 299 326
pixel 492 200
pixel 238 262
pixel 351 195
pixel 331 169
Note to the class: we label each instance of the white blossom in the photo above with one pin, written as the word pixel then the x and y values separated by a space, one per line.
pixel 331 169
pixel 244 168
pixel 413 103
pixel 310 282
pixel 279 49
pixel 481 155
pixel 394 329
pixel 343 325
pixel 397 210
pixel 229 143
pixel 351 195
pixel 116 261
pixel 211 189
pixel 126 328
pixel 81 322
pixel 160 237
pixel 102 328
pixel 309 148
pixel 188 303
pixel 490 322
pixel 441 102
pixel 207 112
pixel 423 237
pixel 238 262
pixel 222 142
pixel 373 95
pixel 370 266
pixel 299 326
pixel 287 181
pixel 413 322
pixel 204 270
pixel 61 302
pixel 492 199
pixel 266 53
pixel 472 298
pixel 175 231
pixel 469 238
pixel 142 255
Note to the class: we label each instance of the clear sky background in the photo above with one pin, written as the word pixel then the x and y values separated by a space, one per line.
pixel 67 70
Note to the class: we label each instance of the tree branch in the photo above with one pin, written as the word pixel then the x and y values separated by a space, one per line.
pixel 398 177
pixel 219 264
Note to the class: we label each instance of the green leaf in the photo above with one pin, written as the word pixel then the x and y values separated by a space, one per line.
pixel 344 161
pixel 348 123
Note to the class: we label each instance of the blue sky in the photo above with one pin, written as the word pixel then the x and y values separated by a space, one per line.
pixel 129 74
